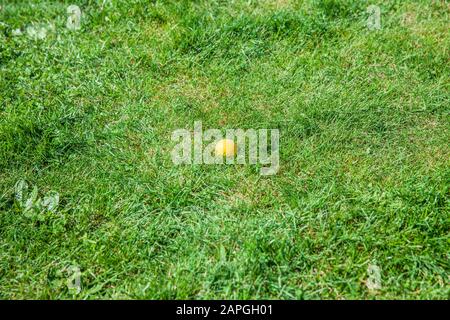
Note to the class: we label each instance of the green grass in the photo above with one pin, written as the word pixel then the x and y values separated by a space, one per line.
pixel 364 123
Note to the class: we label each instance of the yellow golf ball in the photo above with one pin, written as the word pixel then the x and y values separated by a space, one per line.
pixel 225 147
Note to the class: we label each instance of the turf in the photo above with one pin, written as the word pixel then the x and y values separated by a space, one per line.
pixel 364 165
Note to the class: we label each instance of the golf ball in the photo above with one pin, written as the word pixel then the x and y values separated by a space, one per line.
pixel 225 147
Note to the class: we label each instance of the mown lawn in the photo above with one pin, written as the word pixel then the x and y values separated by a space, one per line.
pixel 364 166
